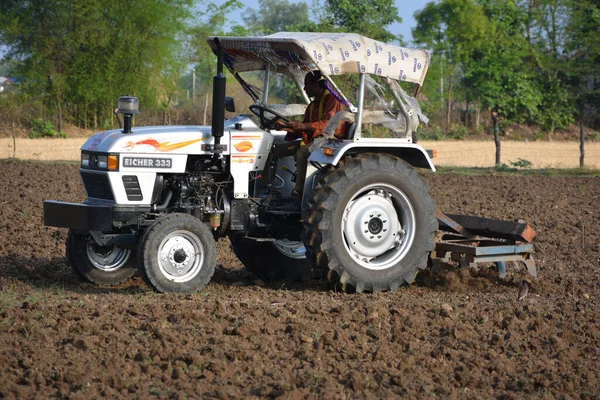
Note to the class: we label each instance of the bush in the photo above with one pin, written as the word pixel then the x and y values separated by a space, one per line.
pixel 538 135
pixel 521 163
pixel 459 132
pixel 41 128
pixel 433 134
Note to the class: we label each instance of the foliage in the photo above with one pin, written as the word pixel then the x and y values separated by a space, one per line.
pixel 367 17
pixel 275 16
pixel 432 134
pixel 521 163
pixel 532 62
pixel 458 132
pixel 82 54
pixel 41 128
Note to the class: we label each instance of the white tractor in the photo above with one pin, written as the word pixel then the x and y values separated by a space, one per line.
pixel 159 197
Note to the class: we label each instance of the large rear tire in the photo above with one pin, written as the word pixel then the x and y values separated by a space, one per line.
pixel 177 253
pixel 273 260
pixel 102 265
pixel 371 222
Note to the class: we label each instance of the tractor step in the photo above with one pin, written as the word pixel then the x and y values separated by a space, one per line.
pixel 470 240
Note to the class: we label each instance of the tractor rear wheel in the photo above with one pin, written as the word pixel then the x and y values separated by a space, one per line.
pixel 273 260
pixel 102 265
pixel 177 253
pixel 372 223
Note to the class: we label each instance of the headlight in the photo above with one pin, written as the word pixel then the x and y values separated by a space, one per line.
pixel 101 162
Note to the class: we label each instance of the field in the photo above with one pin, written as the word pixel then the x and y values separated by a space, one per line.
pixel 464 153
pixel 457 334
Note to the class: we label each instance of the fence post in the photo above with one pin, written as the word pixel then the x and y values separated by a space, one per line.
pixel 581 145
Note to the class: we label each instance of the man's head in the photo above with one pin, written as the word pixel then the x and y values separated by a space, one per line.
pixel 311 83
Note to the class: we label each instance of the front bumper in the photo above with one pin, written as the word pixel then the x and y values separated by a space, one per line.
pixel 90 217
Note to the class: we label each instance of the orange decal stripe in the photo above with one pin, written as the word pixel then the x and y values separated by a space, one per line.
pixel 170 147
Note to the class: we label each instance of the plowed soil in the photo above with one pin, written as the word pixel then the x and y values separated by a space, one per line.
pixel 457 334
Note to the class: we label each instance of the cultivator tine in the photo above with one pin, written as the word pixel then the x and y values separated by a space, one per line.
pixel 530 265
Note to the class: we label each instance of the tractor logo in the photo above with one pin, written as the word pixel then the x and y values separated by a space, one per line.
pixel 243 146
pixel 158 146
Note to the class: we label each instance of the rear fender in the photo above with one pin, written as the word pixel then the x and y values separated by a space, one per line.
pixel 412 153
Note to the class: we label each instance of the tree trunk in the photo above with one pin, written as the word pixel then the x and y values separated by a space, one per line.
pixel 14 141
pixel 59 107
pixel 441 81
pixel 581 146
pixel 477 115
pixel 450 84
pixel 194 86
pixel 205 109
pixel 496 137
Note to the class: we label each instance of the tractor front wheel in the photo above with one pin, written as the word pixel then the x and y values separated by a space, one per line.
pixel 177 253
pixel 104 265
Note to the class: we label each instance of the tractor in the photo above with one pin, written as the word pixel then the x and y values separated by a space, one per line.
pixel 159 197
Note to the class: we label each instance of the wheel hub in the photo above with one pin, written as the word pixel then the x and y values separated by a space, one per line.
pixel 290 248
pixel 178 257
pixel 107 258
pixel 375 226
pixel 371 225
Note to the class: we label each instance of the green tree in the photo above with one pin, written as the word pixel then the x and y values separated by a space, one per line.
pixel 366 17
pixel 501 75
pixel 583 49
pixel 275 16
pixel 454 29
pixel 210 22
pixel 83 54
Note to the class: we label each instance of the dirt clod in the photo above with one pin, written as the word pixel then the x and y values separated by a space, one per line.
pixel 457 334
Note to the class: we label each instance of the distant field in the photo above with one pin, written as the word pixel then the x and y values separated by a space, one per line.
pixel 450 153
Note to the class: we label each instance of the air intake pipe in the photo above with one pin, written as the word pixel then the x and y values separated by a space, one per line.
pixel 128 106
pixel 218 115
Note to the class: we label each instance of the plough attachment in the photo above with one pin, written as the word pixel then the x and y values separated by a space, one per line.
pixel 471 240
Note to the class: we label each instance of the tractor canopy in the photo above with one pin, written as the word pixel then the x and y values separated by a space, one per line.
pixel 331 53
pixel 378 98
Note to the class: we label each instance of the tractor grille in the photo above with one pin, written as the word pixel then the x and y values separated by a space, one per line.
pixel 97 185
pixel 132 188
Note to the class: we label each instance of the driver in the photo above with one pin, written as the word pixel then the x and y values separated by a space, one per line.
pixel 318 113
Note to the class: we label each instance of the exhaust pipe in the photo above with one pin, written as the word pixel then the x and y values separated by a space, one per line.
pixel 218 117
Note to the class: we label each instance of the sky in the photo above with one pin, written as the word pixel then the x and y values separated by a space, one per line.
pixel 406 10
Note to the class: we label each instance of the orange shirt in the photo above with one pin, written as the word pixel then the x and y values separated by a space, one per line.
pixel 318 113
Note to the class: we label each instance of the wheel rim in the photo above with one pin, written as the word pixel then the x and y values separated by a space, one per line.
pixel 180 256
pixel 107 258
pixel 291 249
pixel 378 226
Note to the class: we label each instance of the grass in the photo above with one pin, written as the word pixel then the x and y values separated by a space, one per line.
pixel 474 171
pixel 541 155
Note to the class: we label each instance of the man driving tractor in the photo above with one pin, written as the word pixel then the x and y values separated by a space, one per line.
pixel 318 113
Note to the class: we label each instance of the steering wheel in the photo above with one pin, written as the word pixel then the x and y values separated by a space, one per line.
pixel 266 122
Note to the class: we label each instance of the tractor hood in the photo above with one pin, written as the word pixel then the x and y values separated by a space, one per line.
pixel 186 139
